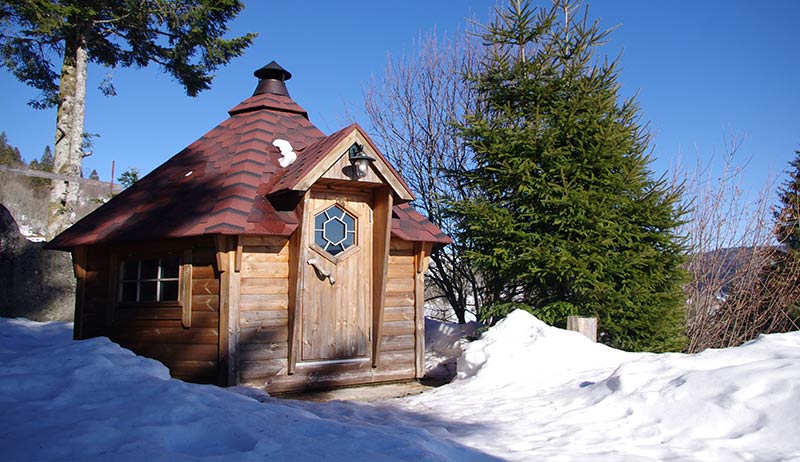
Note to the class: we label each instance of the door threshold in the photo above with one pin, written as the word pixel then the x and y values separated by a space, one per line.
pixel 332 361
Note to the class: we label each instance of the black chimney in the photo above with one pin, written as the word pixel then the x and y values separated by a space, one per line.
pixel 271 79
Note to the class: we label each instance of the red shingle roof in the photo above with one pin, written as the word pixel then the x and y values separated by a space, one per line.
pixel 413 226
pixel 219 184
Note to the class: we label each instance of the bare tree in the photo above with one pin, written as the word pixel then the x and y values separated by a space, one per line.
pixel 733 294
pixel 414 112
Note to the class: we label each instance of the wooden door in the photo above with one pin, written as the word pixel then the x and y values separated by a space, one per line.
pixel 337 256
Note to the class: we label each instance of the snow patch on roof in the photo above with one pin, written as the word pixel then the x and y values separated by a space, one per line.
pixel 288 156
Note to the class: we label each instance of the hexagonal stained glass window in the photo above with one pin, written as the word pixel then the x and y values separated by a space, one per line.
pixel 334 230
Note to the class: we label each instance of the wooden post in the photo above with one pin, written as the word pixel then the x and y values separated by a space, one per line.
pixel 234 279
pixel 586 326
pixel 185 294
pixel 423 253
pixel 381 235
pixel 113 284
pixel 228 309
pixel 79 262
pixel 296 282
pixel 111 186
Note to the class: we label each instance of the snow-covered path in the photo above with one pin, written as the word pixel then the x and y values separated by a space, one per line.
pixel 525 392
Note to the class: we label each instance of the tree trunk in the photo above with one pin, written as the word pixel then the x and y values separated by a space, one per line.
pixel 68 154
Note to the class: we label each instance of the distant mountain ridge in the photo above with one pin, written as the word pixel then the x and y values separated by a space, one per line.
pixel 722 265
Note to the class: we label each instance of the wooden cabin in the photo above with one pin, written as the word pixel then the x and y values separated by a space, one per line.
pixel 231 263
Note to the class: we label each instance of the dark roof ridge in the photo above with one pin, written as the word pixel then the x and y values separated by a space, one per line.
pixel 268 102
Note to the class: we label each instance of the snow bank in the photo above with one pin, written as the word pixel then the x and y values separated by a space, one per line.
pixel 523 348
pixel 547 394
pixel 744 398
pixel 525 391
pixel 94 401
pixel 444 343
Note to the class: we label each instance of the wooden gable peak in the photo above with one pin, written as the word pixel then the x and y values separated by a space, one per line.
pixel 328 159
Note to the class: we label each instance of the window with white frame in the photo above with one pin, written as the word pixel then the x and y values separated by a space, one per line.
pixel 149 280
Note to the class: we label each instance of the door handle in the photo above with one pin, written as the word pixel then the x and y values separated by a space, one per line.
pixel 321 272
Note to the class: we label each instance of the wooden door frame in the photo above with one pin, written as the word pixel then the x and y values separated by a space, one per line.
pixel 336 322
pixel 382 201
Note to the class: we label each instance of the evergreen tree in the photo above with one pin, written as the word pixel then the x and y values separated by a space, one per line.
pixel 44 164
pixel 787 214
pixel 566 217
pixel 9 155
pixel 46 161
pixel 128 177
pixel 94 175
pixel 787 231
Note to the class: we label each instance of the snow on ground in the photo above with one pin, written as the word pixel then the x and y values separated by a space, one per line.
pixel 444 343
pixel 542 393
pixel 94 401
pixel 524 391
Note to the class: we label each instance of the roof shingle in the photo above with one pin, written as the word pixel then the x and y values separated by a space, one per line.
pixel 219 184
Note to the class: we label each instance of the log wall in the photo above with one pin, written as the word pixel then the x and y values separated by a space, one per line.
pixel 398 340
pixel 157 332
pixel 263 363
pixel 263 309
pixel 261 357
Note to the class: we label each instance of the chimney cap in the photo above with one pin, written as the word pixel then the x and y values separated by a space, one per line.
pixel 273 70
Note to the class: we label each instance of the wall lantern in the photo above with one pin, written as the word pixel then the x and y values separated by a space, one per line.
pixel 359 160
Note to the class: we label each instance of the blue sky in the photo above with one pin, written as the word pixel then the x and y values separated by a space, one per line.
pixel 703 70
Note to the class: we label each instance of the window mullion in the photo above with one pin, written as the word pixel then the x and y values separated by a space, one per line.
pixel 158 281
pixel 138 280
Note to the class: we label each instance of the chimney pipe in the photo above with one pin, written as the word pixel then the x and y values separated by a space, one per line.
pixel 272 79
